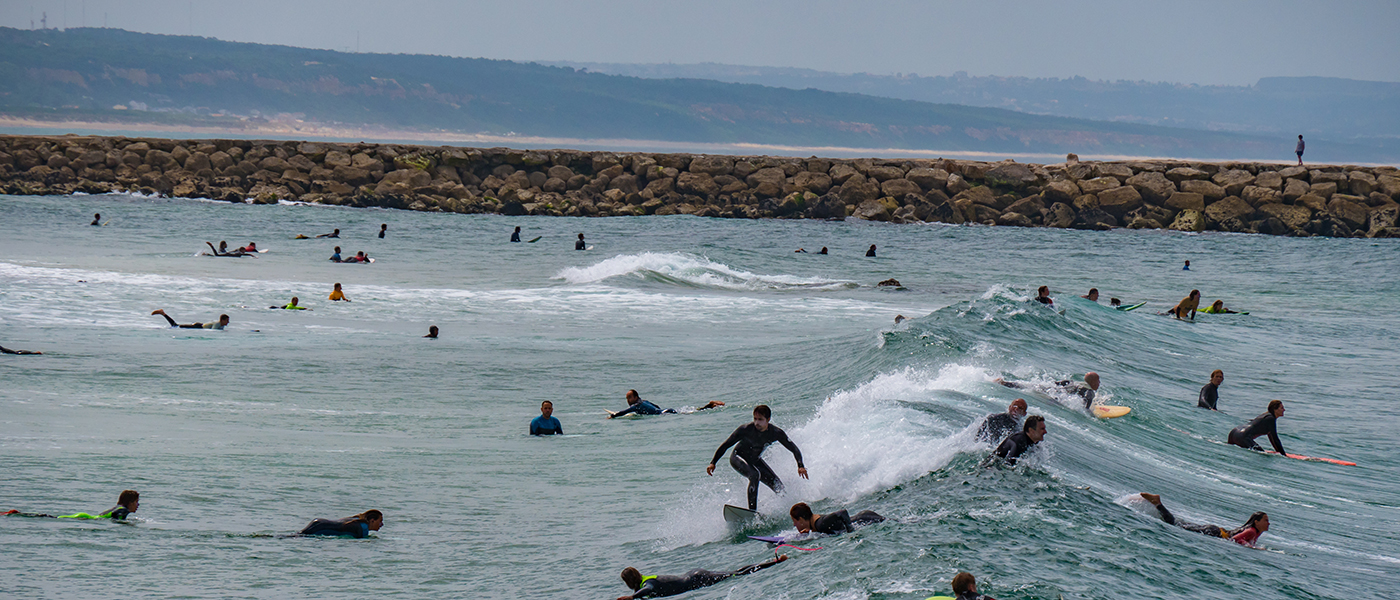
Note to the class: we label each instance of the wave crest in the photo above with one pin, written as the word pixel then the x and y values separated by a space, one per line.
pixel 688 270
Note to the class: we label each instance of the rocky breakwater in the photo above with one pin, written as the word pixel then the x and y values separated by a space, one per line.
pixel 1279 199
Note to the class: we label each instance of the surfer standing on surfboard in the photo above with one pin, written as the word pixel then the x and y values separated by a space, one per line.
pixel 747 459
pixel 1265 424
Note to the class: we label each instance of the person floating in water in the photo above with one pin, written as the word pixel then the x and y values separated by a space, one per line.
pixel 1043 296
pixel 1245 535
pixel 1189 304
pixel 432 332
pixel 223 321
pixel 127 502
pixel 580 245
pixel 965 587
pixel 899 319
pixel 1092 296
pixel 546 424
pixel 357 526
pixel 96 220
pixel 336 256
pixel 657 586
pixel 333 234
pixel 222 250
pixel 1187 266
pixel 1265 424
pixel 1115 303
pixel 359 257
pixel 515 237
pixel 383 227
pixel 871 252
pixel 822 251
pixel 1210 393
pixel 1011 448
pixel 1218 308
pixel 635 404
pixel 290 305
pixel 4 350
pixel 999 425
pixel 250 248
pixel 338 295
pixel 749 441
pixel 1085 391
pixel 831 524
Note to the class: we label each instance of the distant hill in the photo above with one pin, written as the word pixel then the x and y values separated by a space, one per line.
pixel 1332 108
pixel 108 73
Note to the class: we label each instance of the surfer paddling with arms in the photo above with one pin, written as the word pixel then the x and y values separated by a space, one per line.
pixel 1084 390
pixel 657 586
pixel 1265 424
pixel 831 524
pixel 1245 535
pixel 997 426
pixel 1011 448
pixel 636 405
pixel 1188 304
pixel 749 441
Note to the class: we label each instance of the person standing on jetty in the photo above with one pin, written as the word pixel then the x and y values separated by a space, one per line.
pixel 749 441
pixel 1210 394
pixel 1265 424
pixel 546 424
pixel 1299 149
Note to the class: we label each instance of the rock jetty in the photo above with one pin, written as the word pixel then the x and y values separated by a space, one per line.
pixel 1278 199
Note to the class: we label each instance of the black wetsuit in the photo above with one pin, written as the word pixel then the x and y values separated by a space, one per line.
pixel 515 236
pixel 1265 424
pixel 1068 386
pixel 579 245
pixel 644 407
pixel 998 426
pixel 1210 530
pixel 840 522
pixel 671 585
pixel 9 351
pixel 381 234
pixel 870 252
pixel 747 458
pixel 351 526
pixel 1013 447
pixel 1210 394
pixel 1044 300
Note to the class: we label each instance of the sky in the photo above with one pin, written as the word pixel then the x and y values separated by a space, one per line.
pixel 1217 42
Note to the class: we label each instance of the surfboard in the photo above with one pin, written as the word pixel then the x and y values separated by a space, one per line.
pixel 940 598
pixel 1315 458
pixel 772 539
pixel 1133 307
pixel 537 238
pixel 589 248
pixel 1110 412
pixel 734 514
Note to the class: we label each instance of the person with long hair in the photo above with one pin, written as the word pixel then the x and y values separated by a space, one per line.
pixel 1244 535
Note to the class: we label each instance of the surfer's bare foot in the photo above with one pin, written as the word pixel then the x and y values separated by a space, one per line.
pixel 1155 499
pixel 158 311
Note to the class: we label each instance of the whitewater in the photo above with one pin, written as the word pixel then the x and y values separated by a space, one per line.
pixel 237 437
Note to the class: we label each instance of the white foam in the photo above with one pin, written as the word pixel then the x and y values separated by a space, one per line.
pixel 695 270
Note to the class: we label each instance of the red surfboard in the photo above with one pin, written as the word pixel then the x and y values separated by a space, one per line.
pixel 1316 458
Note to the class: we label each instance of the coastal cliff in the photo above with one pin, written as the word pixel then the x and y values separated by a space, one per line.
pixel 1278 199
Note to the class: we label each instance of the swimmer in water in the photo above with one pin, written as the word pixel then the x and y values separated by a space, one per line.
pixel 290 305
pixel 1115 303
pixel 1210 393
pixel 635 404
pixel 899 319
pixel 657 586
pixel 1011 448
pixel 251 247
pixel 4 350
pixel 383 227
pixel 515 237
pixel 799 251
pixel 1265 424
pixel 223 321
pixel 871 252
pixel 579 245
pixel 359 257
pixel 222 250
pixel 1245 535
pixel 1043 296
pixel 96 220
pixel 1218 308
pixel 1187 266
pixel 336 257
pixel 357 526
pixel 127 503
pixel 831 524
pixel 338 295
pixel 333 234
pixel 432 332
pixel 995 427
pixel 546 424
pixel 965 587
pixel 749 441
pixel 1189 304
pixel 1092 296
pixel 1085 391
pixel 822 251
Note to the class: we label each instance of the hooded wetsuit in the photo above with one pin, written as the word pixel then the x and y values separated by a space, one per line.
pixel 1265 424
pixel 1210 394
pixel 644 408
pixel 352 526
pixel 1013 447
pixel 656 586
pixel 747 458
pixel 996 427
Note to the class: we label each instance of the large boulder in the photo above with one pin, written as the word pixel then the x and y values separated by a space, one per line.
pixel 1029 206
pixel 1189 220
pixel 1383 217
pixel 1210 191
pixel 1355 215
pixel 1326 189
pixel 697 183
pixel 1295 217
pixel 1154 188
pixel 817 183
pixel 1120 201
pixel 1361 183
pixel 1181 174
pixel 1231 207
pixel 985 214
pixel 1093 218
pixel 1098 184
pixel 898 188
pixel 1294 189
pixel 1312 202
pixel 1233 180
pixel 1061 216
pixel 884 173
pixel 979 195
pixel 957 184
pixel 872 210
pixel 856 191
pixel 1389 185
pixel 1186 201
pixel 841 172
pixel 1061 191
pixel 1341 179
pixel 1120 172
pixel 1011 219
pixel 1293 172
pixel 946 212
pixel 712 165
pixel 1258 196
pixel 928 179
pixel 1012 175
pixel 1269 179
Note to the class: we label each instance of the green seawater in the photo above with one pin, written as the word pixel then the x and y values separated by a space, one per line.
pixel 237 437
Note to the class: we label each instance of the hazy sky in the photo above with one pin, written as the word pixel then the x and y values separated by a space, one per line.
pixel 1206 42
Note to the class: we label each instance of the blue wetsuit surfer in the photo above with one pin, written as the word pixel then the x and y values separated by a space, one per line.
pixel 657 586
pixel 636 405
pixel 357 526
pixel 546 424
pixel 747 459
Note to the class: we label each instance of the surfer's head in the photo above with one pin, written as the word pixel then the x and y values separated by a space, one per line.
pixel 373 518
pixel 1276 408
pixel 1217 376
pixel 1259 521
pixel 1044 291
pixel 1018 407
pixel 801 517
pixel 1093 294
pixel 546 408
pixel 1195 294
pixel 963 583
pixel 223 320
pixel 1034 428
pixel 633 397
pixel 1218 305
pixel 632 577
pixel 761 416
pixel 1092 379
pixel 129 499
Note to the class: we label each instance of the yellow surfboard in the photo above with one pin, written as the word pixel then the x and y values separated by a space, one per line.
pixel 1110 412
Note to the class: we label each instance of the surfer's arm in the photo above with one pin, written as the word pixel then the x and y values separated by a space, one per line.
pixel 1273 439
pixel 733 439
pixel 1012 384
pixel 626 411
pixel 787 443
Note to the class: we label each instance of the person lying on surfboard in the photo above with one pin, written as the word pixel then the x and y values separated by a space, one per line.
pixel 1092 296
pixel 1188 304
pixel 1245 535
pixel 749 441
pixel 1210 394
pixel 127 502
pixel 1011 448
pixel 657 586
pixel 997 426
pixel 635 404
pixel 223 321
pixel 1218 308
pixel 1265 424
pixel 1084 390
pixel 357 526
pixel 831 524
pixel 965 587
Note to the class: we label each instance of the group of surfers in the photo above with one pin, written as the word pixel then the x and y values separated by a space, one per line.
pixel 1184 310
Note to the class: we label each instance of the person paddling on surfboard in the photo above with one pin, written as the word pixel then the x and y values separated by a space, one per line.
pixel 1218 308
pixel 1043 296
pixel 1084 390
pixel 1011 448
pixel 1092 296
pixel 965 587
pixel 635 404
pixel 1189 304
pixel 657 586
pixel 223 321
pixel 357 526
pixel 749 441
pixel 831 524
pixel 1245 535
pixel 293 305
pixel 1210 394
pixel 127 502
pixel 1265 424
pixel 997 426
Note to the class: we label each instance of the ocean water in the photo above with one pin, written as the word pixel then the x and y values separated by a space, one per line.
pixel 235 438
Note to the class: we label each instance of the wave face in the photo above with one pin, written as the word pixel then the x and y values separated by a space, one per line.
pixel 685 270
